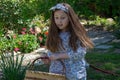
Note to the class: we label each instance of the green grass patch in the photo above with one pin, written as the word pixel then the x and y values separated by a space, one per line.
pixel 106 61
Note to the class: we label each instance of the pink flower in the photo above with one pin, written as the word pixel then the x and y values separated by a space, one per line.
pixel 14 36
pixel 16 49
pixel 40 38
pixel 24 29
pixel 32 31
pixel 22 32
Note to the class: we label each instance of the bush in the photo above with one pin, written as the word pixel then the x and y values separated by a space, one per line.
pixel 10 14
pixel 23 43
pixel 12 68
pixel 41 28
pixel 41 38
pixel 16 14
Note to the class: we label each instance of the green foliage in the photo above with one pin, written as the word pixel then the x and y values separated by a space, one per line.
pixel 105 8
pixel 12 68
pixel 16 14
pixel 41 28
pixel 107 23
pixel 9 15
pixel 39 21
pixel 24 43
pixel 41 38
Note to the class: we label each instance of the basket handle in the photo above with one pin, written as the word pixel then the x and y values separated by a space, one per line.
pixel 45 57
pixel 32 64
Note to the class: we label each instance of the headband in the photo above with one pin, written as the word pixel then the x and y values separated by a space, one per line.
pixel 59 6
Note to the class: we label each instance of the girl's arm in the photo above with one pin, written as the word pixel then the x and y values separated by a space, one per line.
pixel 74 55
pixel 58 56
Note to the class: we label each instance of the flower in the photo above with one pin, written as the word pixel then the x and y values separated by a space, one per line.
pixel 24 29
pixel 22 32
pixel 40 38
pixel 14 36
pixel 16 49
pixel 46 33
pixel 32 31
pixel 37 30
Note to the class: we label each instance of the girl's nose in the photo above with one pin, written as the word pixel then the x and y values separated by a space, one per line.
pixel 60 21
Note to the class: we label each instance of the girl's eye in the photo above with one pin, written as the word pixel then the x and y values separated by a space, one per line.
pixel 63 18
pixel 56 17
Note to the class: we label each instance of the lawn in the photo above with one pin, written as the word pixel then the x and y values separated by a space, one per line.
pixel 105 61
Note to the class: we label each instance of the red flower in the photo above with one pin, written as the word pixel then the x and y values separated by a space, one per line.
pixel 40 38
pixel 16 49
pixel 46 33
pixel 24 29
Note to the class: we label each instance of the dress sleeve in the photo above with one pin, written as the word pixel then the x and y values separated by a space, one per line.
pixel 78 54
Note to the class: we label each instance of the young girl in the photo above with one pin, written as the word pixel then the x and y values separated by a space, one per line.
pixel 66 43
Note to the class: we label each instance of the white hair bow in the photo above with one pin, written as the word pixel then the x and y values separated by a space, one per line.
pixel 59 6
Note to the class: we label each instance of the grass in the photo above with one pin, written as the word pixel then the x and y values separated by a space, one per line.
pixel 106 61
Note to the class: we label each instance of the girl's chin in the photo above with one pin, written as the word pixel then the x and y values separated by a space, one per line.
pixel 60 27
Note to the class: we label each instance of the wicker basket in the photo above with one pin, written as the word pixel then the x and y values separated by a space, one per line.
pixel 39 75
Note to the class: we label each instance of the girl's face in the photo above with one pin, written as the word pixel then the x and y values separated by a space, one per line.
pixel 61 20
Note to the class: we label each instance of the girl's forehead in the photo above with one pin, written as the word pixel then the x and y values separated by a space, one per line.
pixel 59 12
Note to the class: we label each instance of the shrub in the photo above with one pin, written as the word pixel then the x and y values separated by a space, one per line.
pixel 40 26
pixel 24 43
pixel 41 38
pixel 12 68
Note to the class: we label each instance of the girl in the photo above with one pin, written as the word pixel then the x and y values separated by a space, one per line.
pixel 66 43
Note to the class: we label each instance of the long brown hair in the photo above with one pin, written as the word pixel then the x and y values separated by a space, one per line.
pixel 77 32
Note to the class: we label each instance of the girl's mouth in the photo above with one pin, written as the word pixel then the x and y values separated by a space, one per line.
pixel 59 25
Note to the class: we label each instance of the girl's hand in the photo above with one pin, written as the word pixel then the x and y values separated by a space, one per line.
pixel 45 61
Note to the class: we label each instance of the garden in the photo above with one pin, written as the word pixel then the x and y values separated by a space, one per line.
pixel 24 28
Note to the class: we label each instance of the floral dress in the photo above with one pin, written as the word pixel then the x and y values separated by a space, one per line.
pixel 75 65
